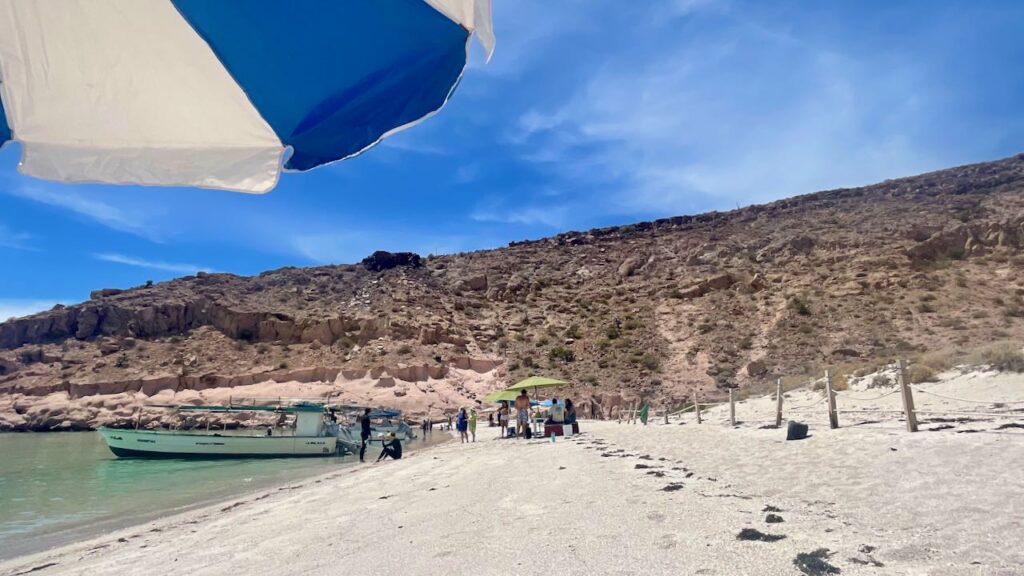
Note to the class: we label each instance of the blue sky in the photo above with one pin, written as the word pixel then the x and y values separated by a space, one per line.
pixel 591 113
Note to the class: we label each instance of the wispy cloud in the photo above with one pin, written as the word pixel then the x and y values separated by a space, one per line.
pixel 16 240
pixel 132 221
pixel 18 307
pixel 551 216
pixel 758 115
pixel 151 264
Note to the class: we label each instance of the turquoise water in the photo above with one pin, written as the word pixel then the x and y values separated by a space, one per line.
pixel 58 487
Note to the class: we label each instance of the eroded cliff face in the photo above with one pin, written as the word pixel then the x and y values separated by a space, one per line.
pixel 654 309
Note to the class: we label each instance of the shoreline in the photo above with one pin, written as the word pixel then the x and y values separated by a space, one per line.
pixel 618 498
pixel 31 544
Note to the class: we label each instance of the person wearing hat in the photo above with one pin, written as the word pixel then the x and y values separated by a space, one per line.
pixel 392 446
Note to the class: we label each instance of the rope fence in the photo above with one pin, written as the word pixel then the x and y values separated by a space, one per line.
pixel 906 411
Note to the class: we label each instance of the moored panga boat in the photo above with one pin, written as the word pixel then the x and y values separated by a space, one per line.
pixel 313 434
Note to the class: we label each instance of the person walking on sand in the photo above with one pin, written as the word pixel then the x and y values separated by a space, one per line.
pixel 364 423
pixel 462 424
pixel 522 413
pixel 472 423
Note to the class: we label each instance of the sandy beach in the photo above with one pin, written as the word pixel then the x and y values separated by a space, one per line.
pixel 682 498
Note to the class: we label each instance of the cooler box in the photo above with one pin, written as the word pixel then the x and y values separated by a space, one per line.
pixel 561 429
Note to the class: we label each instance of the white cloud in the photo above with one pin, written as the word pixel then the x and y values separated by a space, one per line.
pixel 18 307
pixel 550 216
pixel 16 240
pixel 69 198
pixel 151 264
pixel 739 114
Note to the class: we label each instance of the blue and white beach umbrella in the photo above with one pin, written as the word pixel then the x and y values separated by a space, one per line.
pixel 221 93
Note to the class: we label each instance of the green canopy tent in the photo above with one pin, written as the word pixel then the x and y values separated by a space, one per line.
pixel 536 382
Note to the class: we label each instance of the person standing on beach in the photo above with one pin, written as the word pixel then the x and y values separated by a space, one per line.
pixel 364 423
pixel 522 413
pixel 503 418
pixel 462 424
pixel 472 423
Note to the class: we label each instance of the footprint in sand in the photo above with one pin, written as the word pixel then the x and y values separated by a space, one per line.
pixel 668 541
pixel 655 516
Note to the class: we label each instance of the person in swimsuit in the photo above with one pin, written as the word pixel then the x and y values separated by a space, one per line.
pixel 472 423
pixel 503 418
pixel 522 413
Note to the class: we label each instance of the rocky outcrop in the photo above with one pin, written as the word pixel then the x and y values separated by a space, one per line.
pixel 719 282
pixel 381 260
pixel 968 240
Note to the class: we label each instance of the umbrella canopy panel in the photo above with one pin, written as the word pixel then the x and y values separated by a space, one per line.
pixel 502 396
pixel 5 129
pixel 537 382
pixel 217 94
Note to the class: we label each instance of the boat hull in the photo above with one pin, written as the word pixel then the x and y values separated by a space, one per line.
pixel 158 444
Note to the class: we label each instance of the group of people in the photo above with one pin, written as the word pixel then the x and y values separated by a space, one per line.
pixel 465 423
pixel 560 413
pixel 391 446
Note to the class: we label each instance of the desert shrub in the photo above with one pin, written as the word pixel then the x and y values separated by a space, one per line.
pixel 746 343
pixel 925 308
pixel 612 333
pixel 404 349
pixel 529 363
pixel 562 354
pixel 573 332
pixel 880 381
pixel 919 373
pixel 282 365
pixel 1004 357
pixel 121 362
pixel 1013 310
pixel 632 324
pixel 651 362
pixel 543 341
pixel 799 306
pixel 513 366
pixel 262 348
pixel 675 293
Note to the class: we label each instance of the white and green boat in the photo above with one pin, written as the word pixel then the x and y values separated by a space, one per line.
pixel 312 433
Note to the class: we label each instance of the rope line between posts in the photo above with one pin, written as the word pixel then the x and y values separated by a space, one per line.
pixel 930 393
pixel 858 398
pixel 812 404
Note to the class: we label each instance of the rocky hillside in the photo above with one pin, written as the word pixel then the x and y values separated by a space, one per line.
pixel 655 309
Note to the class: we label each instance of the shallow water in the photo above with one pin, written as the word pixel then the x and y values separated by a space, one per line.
pixel 59 487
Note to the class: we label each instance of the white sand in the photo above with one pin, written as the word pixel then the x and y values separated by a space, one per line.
pixel 936 503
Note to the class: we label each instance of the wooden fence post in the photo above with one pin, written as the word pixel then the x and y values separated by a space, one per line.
pixel 833 415
pixel 732 408
pixel 778 403
pixel 667 410
pixel 696 406
pixel 908 397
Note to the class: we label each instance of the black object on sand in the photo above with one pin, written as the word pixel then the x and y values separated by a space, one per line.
pixel 796 431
